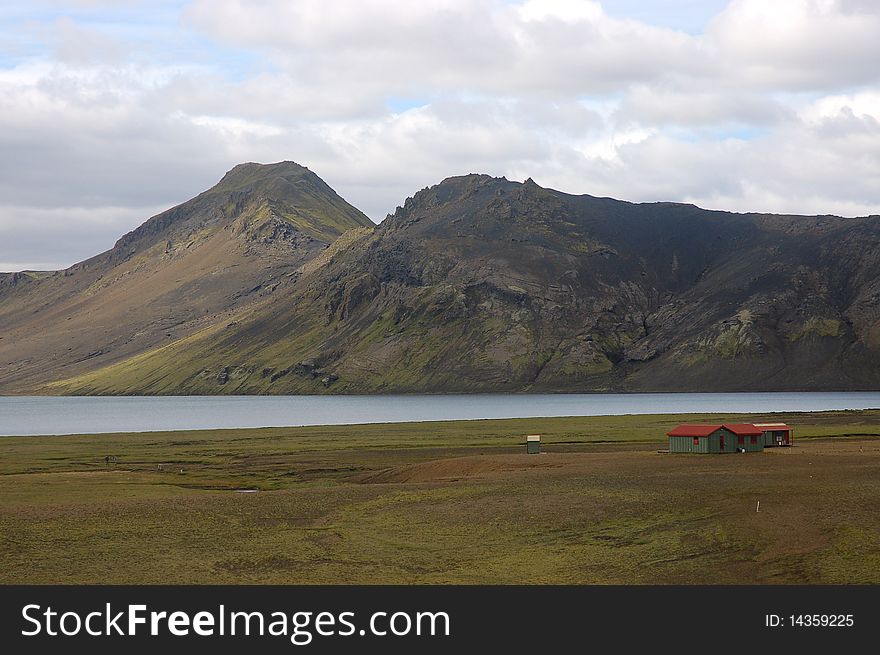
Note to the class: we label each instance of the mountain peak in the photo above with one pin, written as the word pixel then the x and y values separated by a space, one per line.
pixel 295 192
pixel 229 247
pixel 250 174
pixel 284 190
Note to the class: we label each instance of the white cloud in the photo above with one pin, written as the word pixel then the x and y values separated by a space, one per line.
pixel 862 105
pixel 52 238
pixel 797 44
pixel 684 105
pixel 234 128
pixel 564 47
pixel 571 11
pixel 76 44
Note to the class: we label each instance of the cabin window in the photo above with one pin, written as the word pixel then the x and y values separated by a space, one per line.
pixel 754 440
pixel 740 441
pixel 696 441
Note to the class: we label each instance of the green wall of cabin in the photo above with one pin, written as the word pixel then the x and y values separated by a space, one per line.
pixel 712 443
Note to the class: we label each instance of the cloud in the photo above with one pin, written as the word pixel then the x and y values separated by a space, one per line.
pixel 76 44
pixel 797 44
pixel 89 137
pixel 560 47
pixel 683 106
pixel 864 104
pixel 51 238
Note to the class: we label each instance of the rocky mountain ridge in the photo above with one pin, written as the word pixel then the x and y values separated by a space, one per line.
pixel 482 284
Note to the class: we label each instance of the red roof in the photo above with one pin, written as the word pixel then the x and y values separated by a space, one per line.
pixel 744 429
pixel 739 429
pixel 693 430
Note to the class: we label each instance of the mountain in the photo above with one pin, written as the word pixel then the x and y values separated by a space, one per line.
pixel 182 270
pixel 484 284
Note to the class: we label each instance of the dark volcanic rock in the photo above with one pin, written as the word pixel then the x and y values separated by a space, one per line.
pixel 484 284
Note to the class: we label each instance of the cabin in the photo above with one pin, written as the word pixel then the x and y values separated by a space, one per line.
pixel 776 434
pixel 716 438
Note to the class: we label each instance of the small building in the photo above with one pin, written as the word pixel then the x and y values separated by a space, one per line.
pixel 716 438
pixel 533 444
pixel 776 434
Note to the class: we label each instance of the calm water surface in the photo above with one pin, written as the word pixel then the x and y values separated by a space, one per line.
pixel 78 415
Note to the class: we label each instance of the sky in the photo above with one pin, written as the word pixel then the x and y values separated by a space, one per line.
pixel 113 110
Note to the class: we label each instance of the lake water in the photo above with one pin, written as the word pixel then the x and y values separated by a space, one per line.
pixel 78 415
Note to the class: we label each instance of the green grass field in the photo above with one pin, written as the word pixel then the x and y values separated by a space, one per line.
pixel 444 502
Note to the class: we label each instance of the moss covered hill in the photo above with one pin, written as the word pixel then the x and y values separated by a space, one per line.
pixel 483 284
pixel 184 269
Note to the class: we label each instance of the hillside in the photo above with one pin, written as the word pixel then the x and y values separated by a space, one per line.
pixel 483 284
pixel 186 268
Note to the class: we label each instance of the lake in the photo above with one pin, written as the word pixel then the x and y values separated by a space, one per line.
pixel 42 415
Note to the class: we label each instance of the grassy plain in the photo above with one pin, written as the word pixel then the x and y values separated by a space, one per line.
pixel 443 502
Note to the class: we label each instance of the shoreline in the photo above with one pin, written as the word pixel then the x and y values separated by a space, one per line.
pixel 681 417
pixel 65 416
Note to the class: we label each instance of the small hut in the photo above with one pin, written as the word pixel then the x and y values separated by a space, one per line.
pixel 533 444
